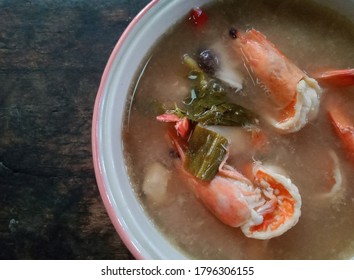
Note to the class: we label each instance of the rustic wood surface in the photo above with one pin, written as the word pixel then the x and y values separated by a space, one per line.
pixel 52 55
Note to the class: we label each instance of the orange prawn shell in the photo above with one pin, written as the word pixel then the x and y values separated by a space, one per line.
pixel 286 209
pixel 343 127
pixel 279 75
pixel 336 78
pixel 221 197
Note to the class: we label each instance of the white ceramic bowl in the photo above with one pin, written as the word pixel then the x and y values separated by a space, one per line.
pixel 128 216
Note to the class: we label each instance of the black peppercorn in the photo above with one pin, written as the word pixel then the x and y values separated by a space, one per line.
pixel 233 33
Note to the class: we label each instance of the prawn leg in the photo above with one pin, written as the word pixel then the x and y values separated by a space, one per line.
pixel 343 126
pixel 336 78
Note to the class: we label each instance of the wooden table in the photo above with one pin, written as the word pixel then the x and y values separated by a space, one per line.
pixel 52 55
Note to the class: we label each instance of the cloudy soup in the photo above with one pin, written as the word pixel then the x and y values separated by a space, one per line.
pixel 238 133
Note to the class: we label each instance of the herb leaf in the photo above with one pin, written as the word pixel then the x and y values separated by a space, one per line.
pixel 207 103
pixel 206 151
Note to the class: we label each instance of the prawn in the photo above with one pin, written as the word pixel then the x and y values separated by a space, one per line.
pixel 263 209
pixel 291 89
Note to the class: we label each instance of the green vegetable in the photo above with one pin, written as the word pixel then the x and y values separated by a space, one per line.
pixel 207 103
pixel 206 151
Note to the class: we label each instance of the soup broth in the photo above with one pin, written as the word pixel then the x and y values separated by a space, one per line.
pixel 314 38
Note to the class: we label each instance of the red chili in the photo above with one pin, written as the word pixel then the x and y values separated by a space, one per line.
pixel 198 17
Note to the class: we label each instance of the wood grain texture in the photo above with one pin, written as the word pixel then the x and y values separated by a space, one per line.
pixel 52 55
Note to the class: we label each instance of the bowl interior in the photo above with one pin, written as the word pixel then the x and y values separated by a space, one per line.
pixel 128 216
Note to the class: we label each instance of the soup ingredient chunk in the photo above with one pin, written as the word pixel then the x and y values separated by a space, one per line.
pixel 336 186
pixel 229 70
pixel 208 61
pixel 198 17
pixel 155 182
pixel 296 94
pixel 241 140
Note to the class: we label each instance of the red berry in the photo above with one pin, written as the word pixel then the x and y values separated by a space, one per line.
pixel 198 17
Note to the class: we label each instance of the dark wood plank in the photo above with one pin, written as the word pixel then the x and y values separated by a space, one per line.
pixel 52 55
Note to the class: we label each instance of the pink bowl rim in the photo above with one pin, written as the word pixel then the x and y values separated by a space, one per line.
pixel 95 121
